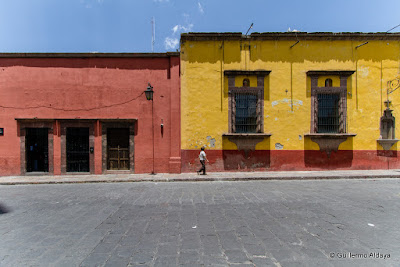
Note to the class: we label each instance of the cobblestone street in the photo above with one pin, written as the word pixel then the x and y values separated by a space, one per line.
pixel 254 223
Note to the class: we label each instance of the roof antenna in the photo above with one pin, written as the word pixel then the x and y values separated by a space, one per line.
pixel 153 33
pixel 251 27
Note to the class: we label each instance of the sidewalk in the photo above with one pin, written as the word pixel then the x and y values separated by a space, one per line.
pixel 193 177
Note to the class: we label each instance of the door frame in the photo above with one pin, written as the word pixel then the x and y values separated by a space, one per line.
pixel 22 124
pixel 105 124
pixel 76 124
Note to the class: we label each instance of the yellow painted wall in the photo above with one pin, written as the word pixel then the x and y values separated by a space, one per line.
pixel 204 89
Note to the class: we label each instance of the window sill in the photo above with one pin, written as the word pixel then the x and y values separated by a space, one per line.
pixel 246 141
pixel 387 143
pixel 329 135
pixel 248 135
pixel 329 142
pixel 37 173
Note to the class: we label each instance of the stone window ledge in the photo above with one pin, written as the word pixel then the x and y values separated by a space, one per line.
pixel 246 141
pixel 387 143
pixel 330 135
pixel 329 142
pixel 248 135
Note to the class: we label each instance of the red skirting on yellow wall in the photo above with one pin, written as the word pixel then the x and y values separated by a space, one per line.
pixel 290 160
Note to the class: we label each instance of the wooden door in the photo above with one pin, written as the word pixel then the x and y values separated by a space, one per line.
pixel 118 149
pixel 77 149
pixel 37 150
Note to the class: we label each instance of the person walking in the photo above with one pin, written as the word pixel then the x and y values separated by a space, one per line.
pixel 203 159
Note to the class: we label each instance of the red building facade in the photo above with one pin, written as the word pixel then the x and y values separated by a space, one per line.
pixel 87 113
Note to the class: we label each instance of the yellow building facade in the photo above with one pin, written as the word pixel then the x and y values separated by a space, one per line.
pixel 289 101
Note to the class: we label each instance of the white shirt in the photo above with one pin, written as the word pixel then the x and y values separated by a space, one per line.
pixel 202 155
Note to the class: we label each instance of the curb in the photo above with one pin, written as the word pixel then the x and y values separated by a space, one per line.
pixel 203 179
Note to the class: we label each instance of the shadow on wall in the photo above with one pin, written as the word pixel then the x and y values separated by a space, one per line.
pixel 74 61
pixel 246 160
pixel 212 51
pixel 320 159
pixel 386 153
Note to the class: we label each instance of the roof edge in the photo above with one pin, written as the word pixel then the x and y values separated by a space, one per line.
pixel 89 55
pixel 203 36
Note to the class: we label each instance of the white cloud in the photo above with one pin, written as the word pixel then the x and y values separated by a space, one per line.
pixel 201 9
pixel 175 29
pixel 90 3
pixel 188 28
pixel 181 28
pixel 171 43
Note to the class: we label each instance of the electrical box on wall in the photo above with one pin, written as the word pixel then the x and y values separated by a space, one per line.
pixel 1 131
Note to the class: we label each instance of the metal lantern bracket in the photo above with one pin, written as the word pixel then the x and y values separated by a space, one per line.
pixel 387 121
pixel 393 85
pixel 149 96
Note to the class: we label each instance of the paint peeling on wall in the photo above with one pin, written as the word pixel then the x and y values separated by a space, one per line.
pixel 363 71
pixel 211 141
pixel 278 146
pixel 287 101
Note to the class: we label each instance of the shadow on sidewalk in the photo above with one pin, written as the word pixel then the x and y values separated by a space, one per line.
pixel 3 209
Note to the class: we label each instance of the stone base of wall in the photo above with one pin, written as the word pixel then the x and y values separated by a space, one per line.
pixel 175 165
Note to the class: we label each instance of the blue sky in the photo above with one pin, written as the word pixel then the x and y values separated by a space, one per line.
pixel 125 25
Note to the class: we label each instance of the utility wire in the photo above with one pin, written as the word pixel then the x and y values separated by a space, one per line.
pixel 393 28
pixel 79 109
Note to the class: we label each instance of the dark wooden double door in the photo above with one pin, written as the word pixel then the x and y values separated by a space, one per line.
pixel 78 149
pixel 37 149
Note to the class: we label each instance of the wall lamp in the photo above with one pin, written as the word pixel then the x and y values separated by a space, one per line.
pixel 149 92
pixel 149 96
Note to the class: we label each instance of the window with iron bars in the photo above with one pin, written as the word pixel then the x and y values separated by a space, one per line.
pixel 329 110
pixel 328 113
pixel 246 111
pixel 246 101
pixel 329 103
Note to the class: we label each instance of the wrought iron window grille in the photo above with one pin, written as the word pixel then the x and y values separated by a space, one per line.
pixel 246 115
pixel 328 113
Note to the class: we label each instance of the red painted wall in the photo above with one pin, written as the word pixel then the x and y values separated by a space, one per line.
pixel 49 86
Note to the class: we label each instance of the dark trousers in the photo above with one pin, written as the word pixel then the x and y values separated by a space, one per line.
pixel 203 167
